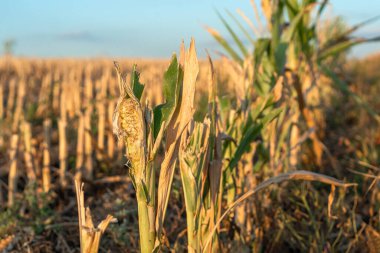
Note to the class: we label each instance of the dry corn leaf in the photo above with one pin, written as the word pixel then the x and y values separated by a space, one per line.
pixel 293 175
pixel 6 242
pixel 373 239
pixel 330 202
pixel 266 6
pixel 89 235
pixel 180 119
pixel 277 90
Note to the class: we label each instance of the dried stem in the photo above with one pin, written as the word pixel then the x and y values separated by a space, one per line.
pixel 89 235
pixel 46 176
pixel 13 177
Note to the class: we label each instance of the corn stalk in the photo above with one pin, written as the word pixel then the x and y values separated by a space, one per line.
pixel 142 130
pixel 89 234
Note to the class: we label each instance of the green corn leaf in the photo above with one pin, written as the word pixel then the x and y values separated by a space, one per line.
pixel 294 24
pixel 241 27
pixel 258 110
pixel 292 7
pixel 238 42
pixel 338 48
pixel 265 81
pixel 235 56
pixel 280 56
pixel 225 105
pixel 320 11
pixel 271 116
pixel 171 87
pixel 261 47
pixel 189 184
pixel 343 46
pixel 253 131
pixel 277 21
pixel 137 87
pixel 344 35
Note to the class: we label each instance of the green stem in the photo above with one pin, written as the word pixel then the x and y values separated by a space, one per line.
pixel 146 220
pixel 192 232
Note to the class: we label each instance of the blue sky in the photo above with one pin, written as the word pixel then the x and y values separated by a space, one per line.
pixel 140 28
